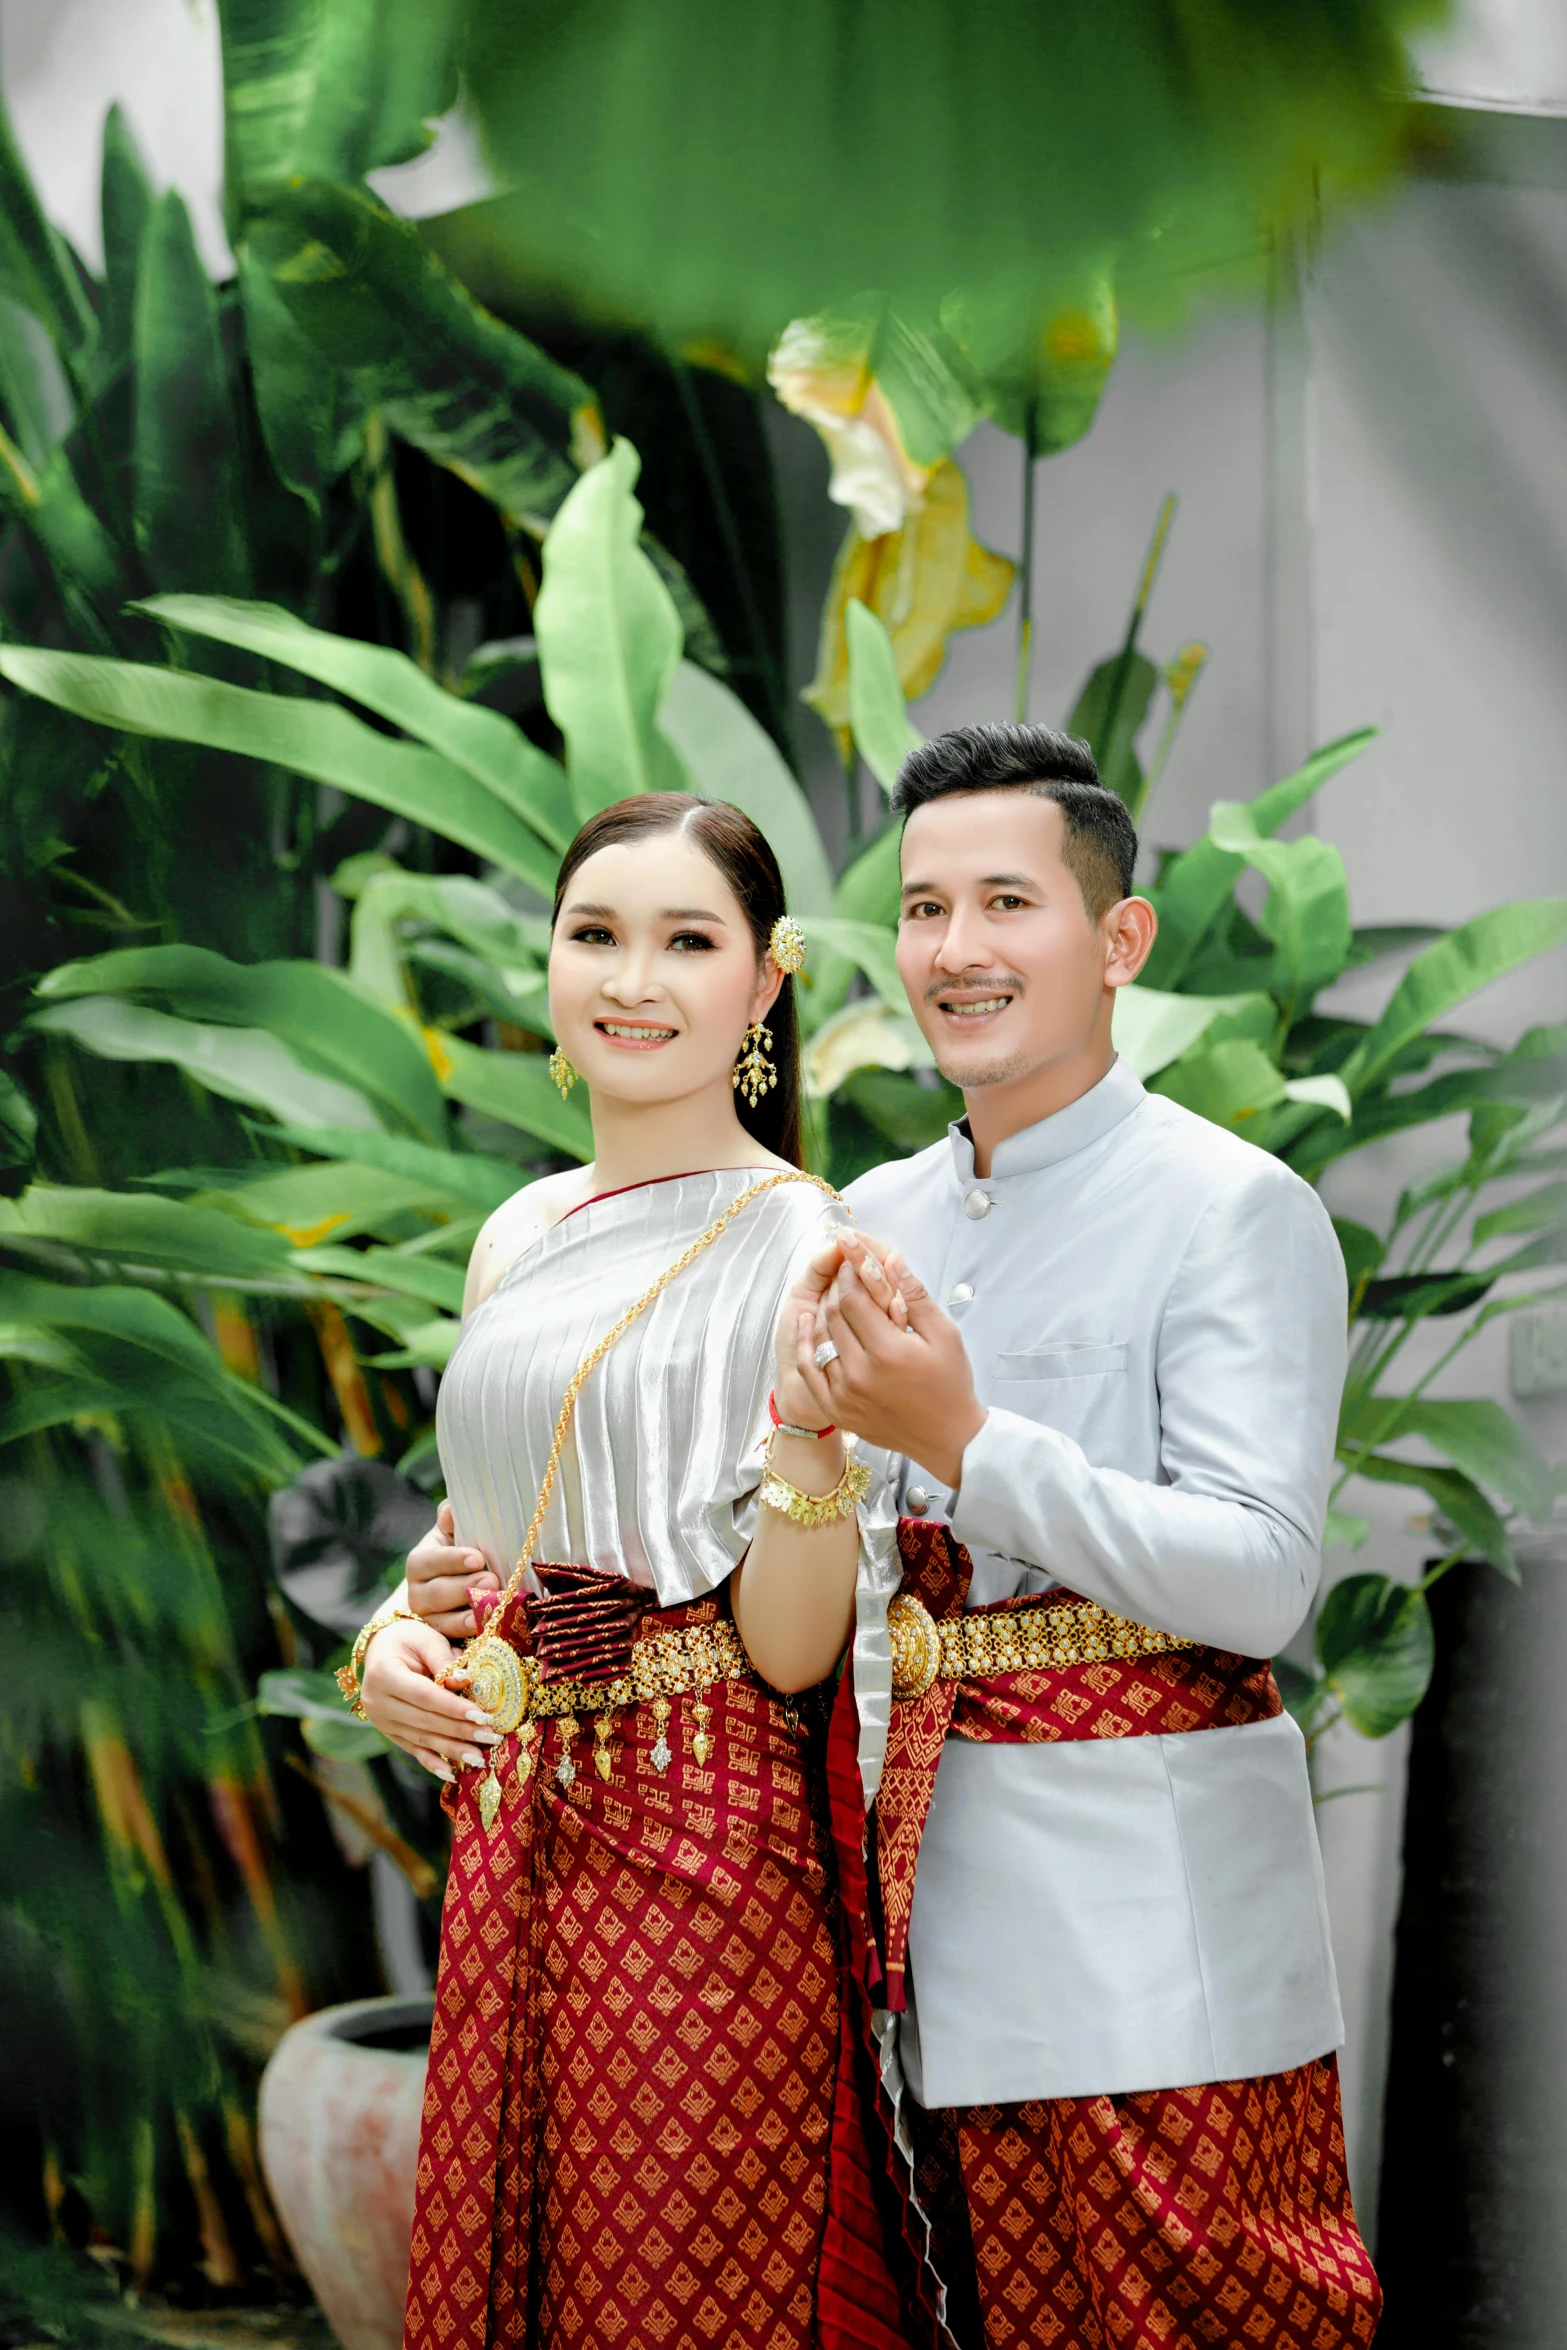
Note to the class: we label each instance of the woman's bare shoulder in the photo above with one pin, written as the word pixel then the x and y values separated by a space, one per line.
pixel 518 1223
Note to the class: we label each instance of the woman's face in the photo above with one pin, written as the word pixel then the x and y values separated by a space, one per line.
pixel 654 976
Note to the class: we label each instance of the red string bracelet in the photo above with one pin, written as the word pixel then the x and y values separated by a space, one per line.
pixel 788 1428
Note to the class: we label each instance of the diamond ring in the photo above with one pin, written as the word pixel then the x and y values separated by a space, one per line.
pixel 826 1353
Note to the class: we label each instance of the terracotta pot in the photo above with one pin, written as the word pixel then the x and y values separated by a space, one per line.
pixel 340 2107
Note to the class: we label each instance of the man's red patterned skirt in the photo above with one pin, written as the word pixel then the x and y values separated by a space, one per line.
pixel 646 2107
pixel 1176 2219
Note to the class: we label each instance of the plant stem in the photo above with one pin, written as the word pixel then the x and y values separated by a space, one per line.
pixel 1145 588
pixel 1025 573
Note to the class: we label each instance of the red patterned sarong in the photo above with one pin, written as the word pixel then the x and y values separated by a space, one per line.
pixel 1176 2219
pixel 1172 2219
pixel 641 2120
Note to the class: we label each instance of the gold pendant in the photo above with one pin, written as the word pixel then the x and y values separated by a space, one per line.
pixel 602 1726
pixel 701 1743
pixel 489 1798
pixel 661 1758
pixel 522 1768
pixel 497 1680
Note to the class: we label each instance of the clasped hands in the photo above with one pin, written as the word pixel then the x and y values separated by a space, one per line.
pixel 900 1378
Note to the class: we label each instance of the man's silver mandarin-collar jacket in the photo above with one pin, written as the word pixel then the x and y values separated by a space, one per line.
pixel 1155 1313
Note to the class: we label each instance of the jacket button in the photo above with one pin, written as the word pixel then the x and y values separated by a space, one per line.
pixel 960 1293
pixel 917 1501
pixel 977 1204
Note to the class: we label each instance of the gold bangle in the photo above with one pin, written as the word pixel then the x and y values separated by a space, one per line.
pixel 816 1509
pixel 348 1676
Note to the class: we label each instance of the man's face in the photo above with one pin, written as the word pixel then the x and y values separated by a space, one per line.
pixel 1005 967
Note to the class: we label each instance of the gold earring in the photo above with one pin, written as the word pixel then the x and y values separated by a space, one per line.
pixel 562 1072
pixel 754 1073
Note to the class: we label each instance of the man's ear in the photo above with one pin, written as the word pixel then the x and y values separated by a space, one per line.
pixel 1130 929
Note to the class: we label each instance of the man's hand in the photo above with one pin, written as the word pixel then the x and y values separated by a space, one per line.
pixel 797 1325
pixel 910 1390
pixel 402 1695
pixel 441 1573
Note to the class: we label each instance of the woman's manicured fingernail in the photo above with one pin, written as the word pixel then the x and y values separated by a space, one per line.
pixel 487 1737
pixel 443 1770
pixel 471 1761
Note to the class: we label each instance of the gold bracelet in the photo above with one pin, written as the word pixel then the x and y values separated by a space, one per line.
pixel 348 1676
pixel 816 1509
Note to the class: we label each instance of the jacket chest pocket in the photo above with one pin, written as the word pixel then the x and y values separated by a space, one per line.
pixel 1064 1361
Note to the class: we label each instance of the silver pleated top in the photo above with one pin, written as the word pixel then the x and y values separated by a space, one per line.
pixel 660 1469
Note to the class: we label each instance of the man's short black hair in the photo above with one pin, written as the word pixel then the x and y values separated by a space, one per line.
pixel 1101 839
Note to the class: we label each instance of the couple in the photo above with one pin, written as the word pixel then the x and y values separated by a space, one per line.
pixel 1041 1447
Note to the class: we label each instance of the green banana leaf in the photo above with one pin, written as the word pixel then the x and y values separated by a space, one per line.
pixel 247 1065
pixel 878 715
pixel 315 739
pixel 517 1088
pixel 35 265
pixel 469 911
pixel 339 90
pixel 425 1278
pixel 138 1353
pixel 1514 1080
pixel 1377 1649
pixel 1542 1209
pixel 481 742
pixel 338 1198
pixel 1469 958
pixel 911 1116
pixel 185 458
pixel 459 1175
pixel 37 399
pixel 609 641
pixel 474 395
pixel 728 756
pixel 1108 715
pixel 870 947
pixel 1307 913
pixel 311 415
pixel 50 504
pixel 126 203
pixel 1151 1028
pixel 1457 1497
pixel 182 1236
pixel 1196 887
pixel 1478 1438
pixel 316 1012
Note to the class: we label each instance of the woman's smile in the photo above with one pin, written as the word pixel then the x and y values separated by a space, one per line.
pixel 638 1036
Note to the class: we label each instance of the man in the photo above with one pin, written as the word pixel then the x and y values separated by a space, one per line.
pixel 1119 1384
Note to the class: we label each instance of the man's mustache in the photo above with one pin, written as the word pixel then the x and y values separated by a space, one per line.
pixel 998 983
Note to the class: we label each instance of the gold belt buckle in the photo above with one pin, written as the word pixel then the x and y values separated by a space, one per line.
pixel 500 1682
pixel 916 1646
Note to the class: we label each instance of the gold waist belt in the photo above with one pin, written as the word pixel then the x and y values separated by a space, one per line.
pixel 666 1664
pixel 1012 1640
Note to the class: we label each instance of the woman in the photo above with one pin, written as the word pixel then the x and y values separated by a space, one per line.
pixel 641 2124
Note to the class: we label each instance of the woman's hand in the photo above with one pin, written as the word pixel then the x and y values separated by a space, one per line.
pixel 441 1573
pixel 801 1323
pixel 402 1696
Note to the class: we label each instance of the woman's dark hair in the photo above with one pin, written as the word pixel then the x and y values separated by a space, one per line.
pixel 1101 839
pixel 731 842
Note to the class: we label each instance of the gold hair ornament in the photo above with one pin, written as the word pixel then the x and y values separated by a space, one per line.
pixel 787 945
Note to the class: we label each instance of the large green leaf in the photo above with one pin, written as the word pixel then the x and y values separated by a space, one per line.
pixel 307 1205
pixel 312 417
pixel 467 910
pixel 1377 1648
pixel 37 398
pixel 247 1065
pixel 312 738
pixel 424 1277
pixel 321 1017
pixel 136 1353
pixel 35 266
pixel 1152 1029
pixel 175 1234
pixel 1457 1497
pixel 516 1087
pixel 50 504
pixel 487 746
pixel 1538 1211
pixel 730 757
pixel 1518 1081
pixel 870 947
pixel 189 525
pixel 1196 885
pixel 912 1116
pixel 338 89
pixel 1455 967
pixel 609 641
pixel 878 716
pixel 1307 913
pixel 1479 1438
pixel 461 1175
pixel 473 394
pixel 1229 1083
pixel 1108 715
pixel 126 206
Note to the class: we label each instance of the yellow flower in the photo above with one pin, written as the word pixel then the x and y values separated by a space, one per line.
pixel 922 582
pixel 821 370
